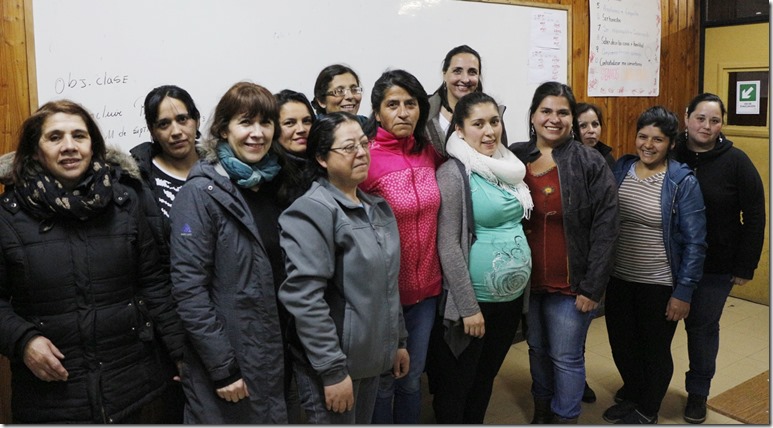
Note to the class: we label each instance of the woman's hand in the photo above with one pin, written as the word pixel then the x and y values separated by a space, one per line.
pixel 339 397
pixel 739 281
pixel 179 375
pixel 402 363
pixel 42 358
pixel 584 304
pixel 676 309
pixel 474 325
pixel 233 392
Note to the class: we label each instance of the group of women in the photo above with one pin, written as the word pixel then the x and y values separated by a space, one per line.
pixel 294 266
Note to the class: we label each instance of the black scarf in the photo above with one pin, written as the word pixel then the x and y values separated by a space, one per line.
pixel 44 197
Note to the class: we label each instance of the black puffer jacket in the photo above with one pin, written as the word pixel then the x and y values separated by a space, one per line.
pixel 94 288
pixel 143 154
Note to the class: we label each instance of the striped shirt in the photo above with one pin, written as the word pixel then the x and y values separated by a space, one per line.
pixel 166 188
pixel 641 254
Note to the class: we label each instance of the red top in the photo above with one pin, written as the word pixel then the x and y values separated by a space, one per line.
pixel 545 233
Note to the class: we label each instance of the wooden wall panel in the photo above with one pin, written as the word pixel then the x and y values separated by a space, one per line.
pixel 14 84
pixel 680 55
pixel 680 52
pixel 14 108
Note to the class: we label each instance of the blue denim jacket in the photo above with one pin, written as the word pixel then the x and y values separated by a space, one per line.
pixel 684 223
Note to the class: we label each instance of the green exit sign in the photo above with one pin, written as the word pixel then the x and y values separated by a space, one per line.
pixel 748 91
pixel 747 97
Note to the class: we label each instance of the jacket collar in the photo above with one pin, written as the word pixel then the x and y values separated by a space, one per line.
pixel 675 171
pixel 344 200
pixel 388 142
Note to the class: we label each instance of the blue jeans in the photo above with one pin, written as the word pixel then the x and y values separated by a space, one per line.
pixel 406 391
pixel 702 326
pixel 312 397
pixel 556 338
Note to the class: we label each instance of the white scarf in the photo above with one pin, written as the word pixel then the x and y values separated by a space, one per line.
pixel 503 169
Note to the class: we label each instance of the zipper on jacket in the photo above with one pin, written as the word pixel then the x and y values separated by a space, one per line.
pixel 667 240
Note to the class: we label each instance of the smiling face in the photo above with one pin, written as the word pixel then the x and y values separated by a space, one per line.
pixel 295 123
pixel 349 102
pixel 64 149
pixel 462 76
pixel 652 146
pixel 590 127
pixel 398 112
pixel 175 129
pixel 552 120
pixel 482 128
pixel 347 170
pixel 704 125
pixel 249 137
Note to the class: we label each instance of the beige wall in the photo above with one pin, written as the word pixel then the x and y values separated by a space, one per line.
pixel 744 48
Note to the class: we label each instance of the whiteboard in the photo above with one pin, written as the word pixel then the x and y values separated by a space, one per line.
pixel 107 55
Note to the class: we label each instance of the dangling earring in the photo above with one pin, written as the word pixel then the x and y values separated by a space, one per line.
pixel 573 136
pixel 532 132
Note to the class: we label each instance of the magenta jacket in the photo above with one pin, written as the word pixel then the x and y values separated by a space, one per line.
pixel 407 181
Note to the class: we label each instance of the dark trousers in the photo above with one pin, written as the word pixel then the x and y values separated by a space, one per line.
pixel 166 409
pixel 312 397
pixel 640 337
pixel 462 387
pixel 702 326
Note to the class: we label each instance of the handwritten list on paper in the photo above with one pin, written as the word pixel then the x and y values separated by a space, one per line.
pixel 624 57
pixel 547 38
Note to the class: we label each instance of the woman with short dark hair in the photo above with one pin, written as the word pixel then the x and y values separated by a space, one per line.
pixel 342 259
pixel 338 88
pixel 659 261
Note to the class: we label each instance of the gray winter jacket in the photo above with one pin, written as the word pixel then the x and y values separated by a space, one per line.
pixel 341 287
pixel 223 285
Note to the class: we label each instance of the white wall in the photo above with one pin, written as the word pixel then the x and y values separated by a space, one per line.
pixel 107 55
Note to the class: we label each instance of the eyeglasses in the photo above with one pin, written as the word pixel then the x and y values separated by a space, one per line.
pixel 181 119
pixel 340 92
pixel 352 148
